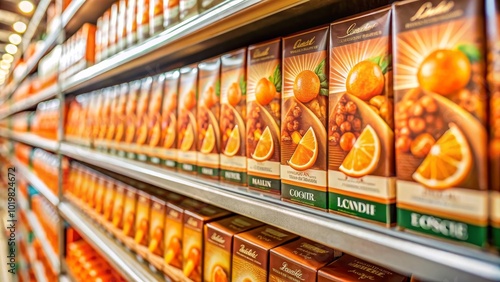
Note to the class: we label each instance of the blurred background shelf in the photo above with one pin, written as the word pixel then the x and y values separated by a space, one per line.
pixel 122 260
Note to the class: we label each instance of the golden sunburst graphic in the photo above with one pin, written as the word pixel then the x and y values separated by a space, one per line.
pixel 258 71
pixel 415 45
pixel 344 58
pixel 292 66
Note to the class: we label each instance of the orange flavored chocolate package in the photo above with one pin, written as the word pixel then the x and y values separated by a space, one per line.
pixel 154 121
pixel 141 124
pixel 361 173
pixel 131 22
pixel 131 120
pixel 120 120
pixel 218 242
pixel 117 109
pixel 155 17
pixel 118 205
pixel 193 234
pixel 157 226
pixel 129 211
pixel 208 141
pixel 166 152
pixel 264 116
pixel 186 123
pixel 233 113
pixel 170 13
pixel 304 118
pixel 142 18
pixel 142 220
pixel 441 119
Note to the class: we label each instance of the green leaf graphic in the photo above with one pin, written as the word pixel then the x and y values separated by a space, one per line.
pixel 383 61
pixel 471 51
pixel 243 85
pixel 321 73
pixel 276 78
pixel 217 88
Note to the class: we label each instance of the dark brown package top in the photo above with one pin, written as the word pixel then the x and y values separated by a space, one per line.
pixel 361 27
pixel 308 253
pixel 157 203
pixel 265 51
pixel 233 60
pixel 266 236
pixel 207 213
pixel 349 268
pixel 310 41
pixel 235 224
pixel 414 14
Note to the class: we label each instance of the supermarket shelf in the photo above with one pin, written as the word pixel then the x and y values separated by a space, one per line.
pixel 30 102
pixel 36 183
pixel 33 140
pixel 68 275
pixel 172 42
pixel 52 257
pixel 123 261
pixel 79 12
pixel 426 258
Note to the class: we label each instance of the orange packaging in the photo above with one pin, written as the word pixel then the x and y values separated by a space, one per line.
pixel 95 109
pixel 121 25
pixel 361 118
pixel 194 229
pixel 493 78
pixel 91 188
pixel 187 9
pixel 186 124
pixel 113 29
pixel 174 230
pixel 299 260
pixel 131 22
pixel 104 117
pixel 99 193
pixel 155 16
pixel 129 211
pixel 153 117
pixel 166 151
pixel 349 268
pixel 98 40
pixel 142 20
pixel 142 219
pixel 264 116
pixel 170 12
pixel 105 35
pixel 131 119
pixel 251 252
pixel 109 200
pixel 118 205
pixel 120 119
pixel 218 242
pixel 115 109
pixel 208 145
pixel 233 117
pixel 441 119
pixel 142 118
pixel 303 128
pixel 157 226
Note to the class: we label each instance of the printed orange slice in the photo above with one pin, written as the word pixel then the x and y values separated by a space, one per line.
pixel 364 156
pixel 233 143
pixel 265 147
pixel 448 162
pixel 209 141
pixel 170 135
pixel 188 140
pixel 306 153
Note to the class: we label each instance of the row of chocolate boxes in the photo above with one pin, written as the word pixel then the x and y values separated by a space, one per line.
pixel 342 117
pixel 191 241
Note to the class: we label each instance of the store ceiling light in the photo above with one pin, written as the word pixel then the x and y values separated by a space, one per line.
pixel 19 27
pixel 11 48
pixel 8 58
pixel 26 7
pixel 15 38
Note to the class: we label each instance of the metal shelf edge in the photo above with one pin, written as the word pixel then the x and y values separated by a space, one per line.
pixel 34 140
pixel 31 101
pixel 123 261
pixel 40 234
pixel 396 250
pixel 37 183
pixel 71 11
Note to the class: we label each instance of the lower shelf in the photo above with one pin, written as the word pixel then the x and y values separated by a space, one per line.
pixel 122 260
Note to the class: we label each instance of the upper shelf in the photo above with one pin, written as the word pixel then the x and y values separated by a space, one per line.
pixel 27 103
pixel 426 258
pixel 79 12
